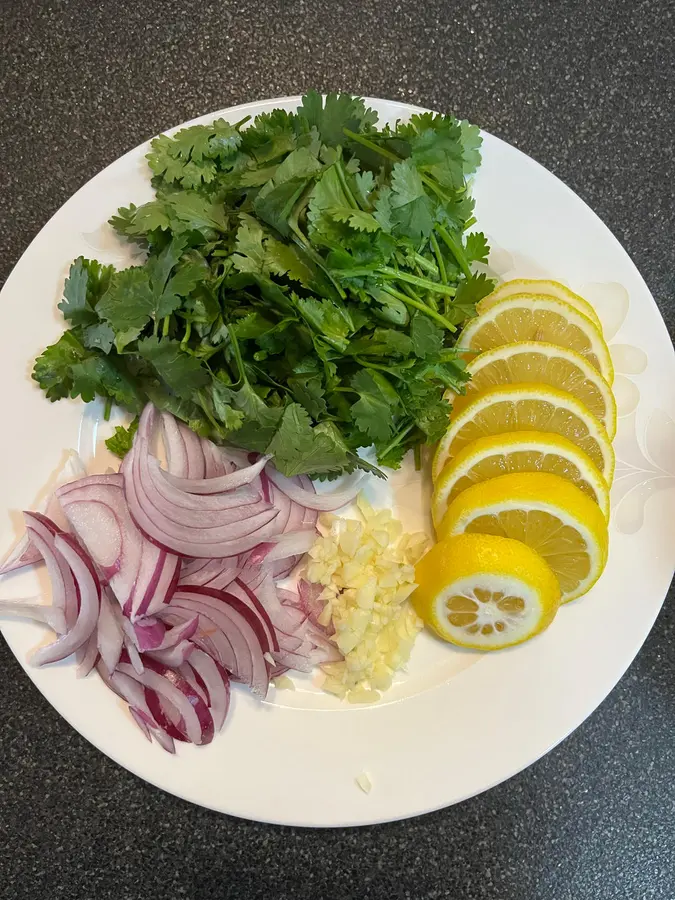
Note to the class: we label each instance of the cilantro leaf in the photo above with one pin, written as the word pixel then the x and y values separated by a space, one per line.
pixel 298 447
pixel 99 376
pixel 339 111
pixel 372 412
pixel 86 282
pixel 121 440
pixel 411 209
pixel 427 337
pixel 307 389
pixel 469 292
pixel 476 249
pixel 425 403
pixel 53 368
pixel 182 373
pixel 99 336
pixel 355 218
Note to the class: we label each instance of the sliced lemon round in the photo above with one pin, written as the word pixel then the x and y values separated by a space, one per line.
pixel 540 287
pixel 485 592
pixel 527 407
pixel 546 512
pixel 532 361
pixel 518 451
pixel 534 317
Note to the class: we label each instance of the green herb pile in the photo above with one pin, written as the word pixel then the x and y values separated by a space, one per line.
pixel 305 277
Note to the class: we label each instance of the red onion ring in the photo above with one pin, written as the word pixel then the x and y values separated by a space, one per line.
pixel 89 590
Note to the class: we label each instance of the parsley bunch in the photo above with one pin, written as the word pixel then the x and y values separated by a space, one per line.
pixel 304 282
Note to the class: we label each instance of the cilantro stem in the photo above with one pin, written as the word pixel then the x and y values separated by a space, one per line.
pixel 397 440
pixel 416 304
pixel 345 187
pixel 417 450
pixel 236 352
pixel 424 283
pixel 371 145
pixel 387 154
pixel 299 238
pixel 456 249
pixel 108 408
pixel 186 336
pixel 441 267
pixel 379 368
pixel 241 122
pixel 430 299
pixel 440 262
pixel 166 321
pixel 425 264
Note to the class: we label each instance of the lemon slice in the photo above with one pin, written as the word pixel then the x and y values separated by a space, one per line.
pixel 542 288
pixel 527 407
pixel 547 513
pixel 485 592
pixel 519 451
pixel 531 361
pixel 534 317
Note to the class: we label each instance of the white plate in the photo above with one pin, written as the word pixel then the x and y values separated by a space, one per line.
pixel 458 723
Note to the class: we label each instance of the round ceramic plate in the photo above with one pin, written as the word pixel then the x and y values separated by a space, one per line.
pixel 456 723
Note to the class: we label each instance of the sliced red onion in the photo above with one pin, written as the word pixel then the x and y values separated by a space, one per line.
pixel 31 608
pixel 147 633
pixel 240 625
pixel 293 543
pixel 174 636
pixel 89 590
pixel 141 575
pixel 324 502
pixel 173 657
pixel 109 634
pixel 216 573
pixel 217 684
pixel 130 648
pixel 308 600
pixel 246 595
pixel 253 525
pixel 24 553
pixel 184 449
pixel 194 680
pixel 42 532
pixel 215 463
pixel 171 686
pixel 87 656
pixel 140 721
pixel 231 481
pixel 208 637
pixel 181 506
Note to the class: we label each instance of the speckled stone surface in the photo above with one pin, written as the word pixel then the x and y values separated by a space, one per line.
pixel 585 89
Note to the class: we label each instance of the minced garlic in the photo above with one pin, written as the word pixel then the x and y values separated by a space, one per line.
pixel 367 569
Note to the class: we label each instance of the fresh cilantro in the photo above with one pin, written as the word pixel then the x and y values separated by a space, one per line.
pixel 411 208
pixel 121 440
pixel 182 373
pixel 372 412
pixel 303 281
pixel 426 336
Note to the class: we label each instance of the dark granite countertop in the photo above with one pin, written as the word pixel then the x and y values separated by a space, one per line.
pixel 585 89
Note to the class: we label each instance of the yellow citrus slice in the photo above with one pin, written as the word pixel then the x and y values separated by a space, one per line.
pixel 518 451
pixel 546 512
pixel 527 407
pixel 485 592
pixel 531 361
pixel 534 317
pixel 540 287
